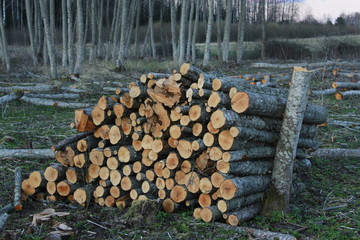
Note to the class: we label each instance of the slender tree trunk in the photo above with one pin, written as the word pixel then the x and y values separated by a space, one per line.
pixel 218 28
pixel 263 29
pixel 151 27
pixel 45 49
pixel 4 43
pixel 132 15
pixel 194 35
pixel 80 37
pixel 173 29
pixel 188 48
pixel 93 32
pixel 64 33
pixel 99 50
pixel 184 8
pixel 50 43
pixel 241 31
pixel 162 33
pixel 52 21
pixel 208 34
pixel 70 36
pixel 113 22
pixel 137 24
pixel 278 197
pixel 227 31
pixel 117 28
pixel 124 25
pixel 29 19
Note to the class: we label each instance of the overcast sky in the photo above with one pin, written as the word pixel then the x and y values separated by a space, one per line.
pixel 330 8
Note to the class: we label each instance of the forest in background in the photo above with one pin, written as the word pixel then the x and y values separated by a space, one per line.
pixel 68 32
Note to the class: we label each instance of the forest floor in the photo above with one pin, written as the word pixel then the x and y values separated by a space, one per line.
pixel 329 183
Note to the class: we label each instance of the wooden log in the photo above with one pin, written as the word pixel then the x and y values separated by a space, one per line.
pixel 83 195
pixel 240 186
pixel 83 121
pixel 205 185
pixel 11 97
pixel 115 177
pixel 104 173
pixel 244 168
pixel 192 182
pixel 211 213
pixel 27 153
pixel 71 139
pixel 244 214
pixel 87 143
pixel 81 159
pixel 205 200
pixel 348 85
pixel 53 103
pixel 93 170
pixel 170 206
pixel 54 95
pixel 96 156
pixel 179 194
pixel 218 99
pixel 55 172
pixel 128 183
pixel 190 72
pixel 198 113
pixel 3 219
pixel 336 153
pixel 324 92
pixel 17 189
pixel 127 154
pixel 172 161
pixel 64 188
pixel 184 148
pixel 217 178
pixel 153 75
pixel 129 102
pixel 245 154
pixel 138 91
pixel 73 175
pixel 347 94
pixel 51 187
pixel 272 106
pixel 238 203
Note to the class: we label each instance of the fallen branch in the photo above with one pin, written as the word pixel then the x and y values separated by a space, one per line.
pixel 17 190
pixel 11 97
pixel 324 92
pixel 337 153
pixel 54 96
pixel 347 94
pixel 257 233
pixel 3 218
pixel 347 124
pixel 26 153
pixel 49 102
pixel 291 65
pixel 36 88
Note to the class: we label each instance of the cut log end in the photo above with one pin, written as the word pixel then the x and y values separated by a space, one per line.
pixel 240 102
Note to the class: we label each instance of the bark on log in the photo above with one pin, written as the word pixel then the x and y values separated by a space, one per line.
pixel 71 139
pixel 238 203
pixel 36 88
pixel 244 214
pixel 240 186
pixel 349 85
pixel 17 190
pixel 347 94
pixel 244 168
pixel 49 102
pixel 272 106
pixel 27 153
pixel 54 96
pixel 337 153
pixel 3 219
pixel 324 92
pixel 11 97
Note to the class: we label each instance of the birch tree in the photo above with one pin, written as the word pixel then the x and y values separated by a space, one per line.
pixel 227 31
pixel 151 28
pixel 173 29
pixel 64 33
pixel 218 28
pixel 30 26
pixel 263 30
pixel 93 32
pixel 182 31
pixel 241 31
pixel 49 41
pixel 3 41
pixel 70 36
pixel 124 24
pixel 208 34
pixel 188 48
pixel 99 49
pixel 195 31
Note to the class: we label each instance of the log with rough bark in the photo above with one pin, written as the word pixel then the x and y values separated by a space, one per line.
pixel 17 190
pixel 324 92
pixel 27 153
pixel 54 96
pixel 11 97
pixel 49 102
pixel 243 214
pixel 337 153
pixel 347 94
pixel 347 85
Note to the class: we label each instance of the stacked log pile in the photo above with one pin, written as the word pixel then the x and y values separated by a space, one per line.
pixel 189 138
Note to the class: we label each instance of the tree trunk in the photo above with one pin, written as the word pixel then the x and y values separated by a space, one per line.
pixel 227 31
pixel 278 197
pixel 173 29
pixel 70 36
pixel 263 29
pixel 29 19
pixel 241 32
pixel 100 23
pixel 49 40
pixel 151 27
pixel 80 45
pixel 218 28
pixel 188 48
pixel 208 34
pixel 137 24
pixel 182 33
pixel 4 42
pixel 64 33
pixel 195 31
pixel 93 32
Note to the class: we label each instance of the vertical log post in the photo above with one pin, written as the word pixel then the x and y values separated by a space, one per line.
pixel 277 198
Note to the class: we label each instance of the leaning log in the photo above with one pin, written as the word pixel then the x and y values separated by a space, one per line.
pixel 337 153
pixel 27 153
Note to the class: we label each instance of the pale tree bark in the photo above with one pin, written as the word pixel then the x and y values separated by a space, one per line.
pixel 227 31
pixel 38 32
pixel 99 50
pixel 188 48
pixel 151 27
pixel 208 35
pixel 124 24
pixel 93 32
pixel 195 31
pixel 173 29
pixel 137 25
pixel 184 13
pixel 70 36
pixel 241 31
pixel 113 22
pixel 50 43
pixel 29 19
pixel 263 29
pixel 218 28
pixel 117 28
pixel 52 20
pixel 132 16
pixel 278 197
pixel 80 45
pixel 3 41
pixel 64 33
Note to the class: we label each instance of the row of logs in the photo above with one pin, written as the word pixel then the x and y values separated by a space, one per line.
pixel 189 138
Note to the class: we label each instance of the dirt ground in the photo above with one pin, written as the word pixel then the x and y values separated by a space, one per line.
pixel 329 183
